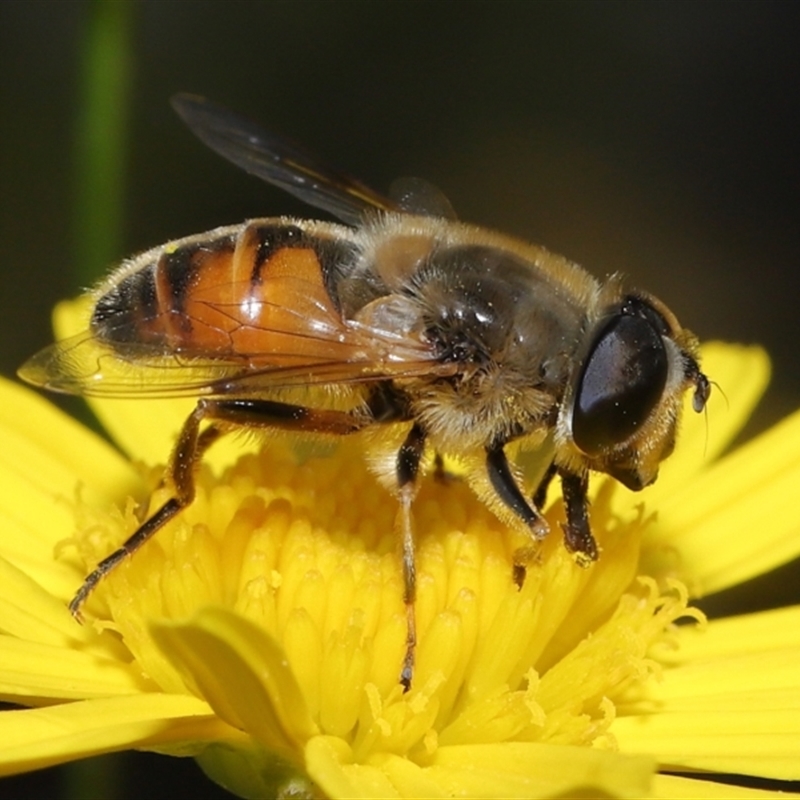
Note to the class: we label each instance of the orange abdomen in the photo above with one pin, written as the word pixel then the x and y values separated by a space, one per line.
pixel 257 293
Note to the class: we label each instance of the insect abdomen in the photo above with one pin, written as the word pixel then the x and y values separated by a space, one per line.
pixel 230 293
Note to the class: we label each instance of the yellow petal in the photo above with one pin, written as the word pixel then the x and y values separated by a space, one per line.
pixel 54 451
pixel 47 460
pixel 37 738
pixel 722 737
pixel 46 456
pixel 33 673
pixel 511 769
pixel 736 520
pixel 725 713
pixel 25 545
pixel 31 613
pixel 242 673
pixel 329 763
pixel 763 632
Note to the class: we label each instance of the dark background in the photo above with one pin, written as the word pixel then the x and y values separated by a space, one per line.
pixel 659 139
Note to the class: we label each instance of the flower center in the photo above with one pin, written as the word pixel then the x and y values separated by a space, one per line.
pixel 306 549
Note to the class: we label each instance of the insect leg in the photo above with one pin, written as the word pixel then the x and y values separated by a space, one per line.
pixel 577 533
pixel 284 416
pixel 540 495
pixel 440 471
pixel 507 489
pixel 265 413
pixel 407 468
pixel 188 452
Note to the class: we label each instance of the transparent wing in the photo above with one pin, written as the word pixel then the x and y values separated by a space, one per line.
pixel 278 161
pixel 300 341
pixel 83 365
pixel 418 196
pixel 294 169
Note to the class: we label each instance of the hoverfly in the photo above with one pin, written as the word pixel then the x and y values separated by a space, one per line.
pixel 401 316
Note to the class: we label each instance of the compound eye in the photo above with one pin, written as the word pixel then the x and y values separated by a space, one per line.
pixel 622 381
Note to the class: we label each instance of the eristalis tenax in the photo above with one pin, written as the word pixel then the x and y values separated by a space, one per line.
pixel 457 339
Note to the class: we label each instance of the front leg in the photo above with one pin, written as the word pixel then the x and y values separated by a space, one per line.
pixel 505 486
pixel 577 532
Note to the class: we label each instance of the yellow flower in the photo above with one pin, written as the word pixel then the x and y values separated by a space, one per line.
pixel 262 632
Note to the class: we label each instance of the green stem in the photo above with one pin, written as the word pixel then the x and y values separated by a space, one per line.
pixel 97 229
pixel 100 137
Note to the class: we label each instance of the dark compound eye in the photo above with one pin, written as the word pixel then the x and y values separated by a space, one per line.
pixel 622 381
